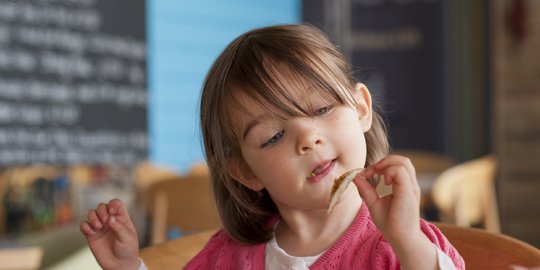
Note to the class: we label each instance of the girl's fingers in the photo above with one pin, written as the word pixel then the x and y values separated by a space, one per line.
pixel 102 212
pixel 368 172
pixel 86 229
pixel 117 208
pixel 400 179
pixel 366 190
pixel 113 214
pixel 93 219
pixel 124 234
pixel 396 175
pixel 397 171
pixel 396 160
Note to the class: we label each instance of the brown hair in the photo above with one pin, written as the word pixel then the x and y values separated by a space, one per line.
pixel 265 64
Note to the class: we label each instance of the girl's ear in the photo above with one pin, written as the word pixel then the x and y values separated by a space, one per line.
pixel 363 105
pixel 240 172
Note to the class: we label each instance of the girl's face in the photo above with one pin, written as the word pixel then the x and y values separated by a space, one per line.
pixel 297 158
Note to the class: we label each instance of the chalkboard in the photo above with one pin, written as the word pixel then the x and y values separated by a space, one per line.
pixel 396 48
pixel 72 82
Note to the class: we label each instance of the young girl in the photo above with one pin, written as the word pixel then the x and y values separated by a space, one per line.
pixel 282 118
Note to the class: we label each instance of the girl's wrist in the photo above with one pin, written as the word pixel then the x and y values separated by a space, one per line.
pixel 408 241
pixel 133 264
pixel 404 238
pixel 412 250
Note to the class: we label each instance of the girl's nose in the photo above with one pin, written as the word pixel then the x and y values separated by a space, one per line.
pixel 308 138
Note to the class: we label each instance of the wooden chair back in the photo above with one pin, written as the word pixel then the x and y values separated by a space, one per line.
pixel 484 250
pixel 147 174
pixel 176 253
pixel 428 165
pixel 465 194
pixel 184 203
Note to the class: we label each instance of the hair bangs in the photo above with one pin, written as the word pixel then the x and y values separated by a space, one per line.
pixel 282 83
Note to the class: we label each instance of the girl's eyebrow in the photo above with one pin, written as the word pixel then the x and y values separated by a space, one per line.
pixel 254 122
pixel 259 119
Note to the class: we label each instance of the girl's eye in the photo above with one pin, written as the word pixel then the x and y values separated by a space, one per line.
pixel 274 139
pixel 323 110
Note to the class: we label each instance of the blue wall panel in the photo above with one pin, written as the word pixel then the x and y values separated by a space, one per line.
pixel 184 38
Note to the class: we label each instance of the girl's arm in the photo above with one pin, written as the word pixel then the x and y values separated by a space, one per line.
pixel 111 236
pixel 397 216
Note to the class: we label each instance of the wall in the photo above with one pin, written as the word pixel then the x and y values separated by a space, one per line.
pixel 184 37
pixel 516 73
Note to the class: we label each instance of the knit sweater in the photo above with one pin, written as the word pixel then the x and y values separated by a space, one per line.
pixel 362 246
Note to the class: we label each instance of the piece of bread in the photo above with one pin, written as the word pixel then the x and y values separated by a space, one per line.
pixel 340 185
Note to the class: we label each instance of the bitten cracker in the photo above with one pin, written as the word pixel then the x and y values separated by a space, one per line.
pixel 340 185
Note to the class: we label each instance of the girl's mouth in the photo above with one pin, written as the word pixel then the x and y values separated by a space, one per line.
pixel 321 171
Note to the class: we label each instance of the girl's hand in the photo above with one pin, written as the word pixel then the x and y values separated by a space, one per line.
pixel 111 236
pixel 397 215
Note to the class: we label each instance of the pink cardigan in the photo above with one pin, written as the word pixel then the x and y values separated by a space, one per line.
pixel 361 247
